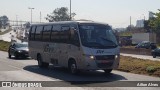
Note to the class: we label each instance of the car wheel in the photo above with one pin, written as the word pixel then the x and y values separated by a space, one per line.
pixel 9 55
pixel 154 56
pixel 73 67
pixel 41 64
pixel 107 71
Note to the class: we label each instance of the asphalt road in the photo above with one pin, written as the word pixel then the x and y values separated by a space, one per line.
pixel 27 70
pixel 7 36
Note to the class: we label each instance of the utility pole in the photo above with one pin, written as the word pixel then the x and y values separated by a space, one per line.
pixel 70 10
pixel 21 23
pixel 16 20
pixel 130 22
pixel 143 19
pixel 31 13
pixel 40 17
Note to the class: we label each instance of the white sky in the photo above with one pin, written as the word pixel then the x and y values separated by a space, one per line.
pixel 114 12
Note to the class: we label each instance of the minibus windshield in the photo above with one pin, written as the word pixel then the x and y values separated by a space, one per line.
pixel 97 36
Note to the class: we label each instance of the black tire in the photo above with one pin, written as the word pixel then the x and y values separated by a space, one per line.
pixel 42 64
pixel 154 56
pixel 107 71
pixel 9 55
pixel 72 66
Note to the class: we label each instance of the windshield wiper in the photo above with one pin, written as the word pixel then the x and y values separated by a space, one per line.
pixel 95 43
pixel 109 41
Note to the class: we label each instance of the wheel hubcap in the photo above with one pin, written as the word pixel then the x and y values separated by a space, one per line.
pixel 39 61
pixel 73 68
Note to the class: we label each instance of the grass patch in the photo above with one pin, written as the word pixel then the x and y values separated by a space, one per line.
pixel 4 45
pixel 139 66
pixel 1 33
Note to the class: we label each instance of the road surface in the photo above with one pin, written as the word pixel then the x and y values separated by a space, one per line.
pixel 142 56
pixel 27 70
pixel 7 37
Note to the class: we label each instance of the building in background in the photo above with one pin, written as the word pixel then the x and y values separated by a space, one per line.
pixel 139 37
pixel 151 15
pixel 140 23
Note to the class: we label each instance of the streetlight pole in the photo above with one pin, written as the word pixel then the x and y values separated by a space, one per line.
pixel 130 22
pixel 17 19
pixel 143 20
pixel 40 17
pixel 70 10
pixel 31 13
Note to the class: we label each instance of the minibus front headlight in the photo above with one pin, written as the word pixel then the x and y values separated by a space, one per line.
pixel 116 56
pixel 91 57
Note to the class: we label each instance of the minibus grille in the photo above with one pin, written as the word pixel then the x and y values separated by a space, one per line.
pixel 105 57
pixel 104 65
pixel 105 61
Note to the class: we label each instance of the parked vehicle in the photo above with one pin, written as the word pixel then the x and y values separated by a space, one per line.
pixel 18 50
pixel 156 52
pixel 147 45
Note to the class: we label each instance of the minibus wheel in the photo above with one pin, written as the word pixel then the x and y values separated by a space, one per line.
pixel 73 67
pixel 41 64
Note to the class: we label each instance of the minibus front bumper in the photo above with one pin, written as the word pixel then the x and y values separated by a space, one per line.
pixel 100 62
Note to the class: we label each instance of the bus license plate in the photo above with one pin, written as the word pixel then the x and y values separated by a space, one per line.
pixel 103 61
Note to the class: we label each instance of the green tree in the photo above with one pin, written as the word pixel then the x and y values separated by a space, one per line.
pixel 60 14
pixel 154 22
pixel 4 21
pixel 146 25
pixel 0 24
